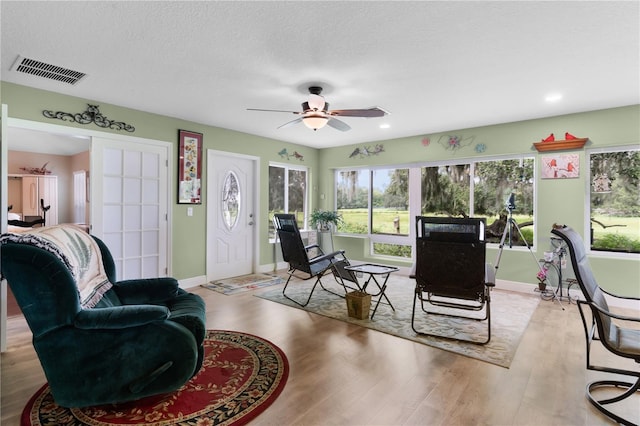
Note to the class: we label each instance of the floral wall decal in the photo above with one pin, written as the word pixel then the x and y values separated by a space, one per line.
pixel 454 142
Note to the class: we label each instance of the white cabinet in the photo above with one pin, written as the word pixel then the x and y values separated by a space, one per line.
pixel 36 188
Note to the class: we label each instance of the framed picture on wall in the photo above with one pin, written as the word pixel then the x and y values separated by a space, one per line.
pixel 189 167
pixel 560 166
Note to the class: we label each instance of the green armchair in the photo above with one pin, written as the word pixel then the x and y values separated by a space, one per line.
pixel 143 337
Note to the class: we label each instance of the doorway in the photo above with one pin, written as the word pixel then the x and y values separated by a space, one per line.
pixel 231 215
pixel 147 251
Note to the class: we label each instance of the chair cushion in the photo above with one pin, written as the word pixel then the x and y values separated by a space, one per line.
pixel 625 340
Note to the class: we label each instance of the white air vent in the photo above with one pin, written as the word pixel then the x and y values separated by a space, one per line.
pixel 44 70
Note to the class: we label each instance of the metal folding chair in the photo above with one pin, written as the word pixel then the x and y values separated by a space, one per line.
pixel 315 266
pixel 450 269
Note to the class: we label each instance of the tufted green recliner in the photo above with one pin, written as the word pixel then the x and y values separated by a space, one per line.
pixel 143 338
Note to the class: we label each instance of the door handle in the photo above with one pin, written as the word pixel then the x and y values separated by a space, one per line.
pixel 251 223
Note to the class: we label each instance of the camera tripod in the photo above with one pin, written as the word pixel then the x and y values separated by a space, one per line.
pixel 507 231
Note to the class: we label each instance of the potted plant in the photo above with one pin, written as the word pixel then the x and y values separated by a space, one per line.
pixel 324 219
pixel 542 279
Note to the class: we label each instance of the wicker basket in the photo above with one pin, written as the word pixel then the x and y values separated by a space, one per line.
pixel 358 304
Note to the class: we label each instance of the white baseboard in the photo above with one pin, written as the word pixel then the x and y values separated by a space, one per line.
pixel 268 268
pixel 575 293
pixel 192 282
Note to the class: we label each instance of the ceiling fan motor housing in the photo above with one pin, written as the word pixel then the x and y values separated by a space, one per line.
pixel 306 107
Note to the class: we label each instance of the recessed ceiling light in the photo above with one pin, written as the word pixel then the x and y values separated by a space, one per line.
pixel 553 97
pixel 385 126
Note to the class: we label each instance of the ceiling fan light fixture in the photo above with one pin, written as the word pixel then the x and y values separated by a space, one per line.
pixel 315 121
pixel 316 102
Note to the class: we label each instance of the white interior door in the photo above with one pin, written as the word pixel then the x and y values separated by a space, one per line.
pixel 231 219
pixel 129 190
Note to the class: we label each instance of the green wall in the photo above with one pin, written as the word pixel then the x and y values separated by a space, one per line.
pixel 188 254
pixel 559 201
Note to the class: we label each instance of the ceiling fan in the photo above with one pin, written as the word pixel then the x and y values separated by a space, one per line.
pixel 315 113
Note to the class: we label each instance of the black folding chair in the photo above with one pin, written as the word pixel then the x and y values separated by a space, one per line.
pixel 619 334
pixel 450 269
pixel 301 258
pixel 31 221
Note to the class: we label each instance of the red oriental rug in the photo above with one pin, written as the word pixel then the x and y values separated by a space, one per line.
pixel 241 376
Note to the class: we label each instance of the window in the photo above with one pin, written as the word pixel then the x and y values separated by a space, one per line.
pixel 615 200
pixel 494 183
pixel 445 190
pixel 390 201
pixel 352 200
pixel 287 193
pixel 377 202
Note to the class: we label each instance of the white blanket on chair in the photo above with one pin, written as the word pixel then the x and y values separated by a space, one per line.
pixel 78 251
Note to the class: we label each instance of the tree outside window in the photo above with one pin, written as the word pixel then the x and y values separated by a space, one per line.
pixel 615 200
pixel 376 202
pixel 493 184
pixel 287 194
pixel 445 190
pixel 390 210
pixel 352 200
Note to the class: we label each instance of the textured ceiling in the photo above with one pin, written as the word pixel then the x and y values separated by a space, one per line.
pixel 435 66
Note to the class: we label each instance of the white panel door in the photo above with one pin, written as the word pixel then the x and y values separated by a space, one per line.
pixel 129 205
pixel 231 246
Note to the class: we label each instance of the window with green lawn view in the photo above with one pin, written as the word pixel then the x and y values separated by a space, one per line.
pixel 615 200
pixel 387 192
pixel 450 190
pixel 287 193
pixel 376 202
pixel 352 200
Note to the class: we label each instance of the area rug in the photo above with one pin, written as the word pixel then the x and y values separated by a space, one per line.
pixel 241 376
pixel 243 284
pixel 510 315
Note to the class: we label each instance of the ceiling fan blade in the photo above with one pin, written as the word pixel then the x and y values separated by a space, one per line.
pixel 337 124
pixel 291 123
pixel 367 113
pixel 273 110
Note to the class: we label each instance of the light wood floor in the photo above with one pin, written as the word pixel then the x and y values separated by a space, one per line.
pixel 342 374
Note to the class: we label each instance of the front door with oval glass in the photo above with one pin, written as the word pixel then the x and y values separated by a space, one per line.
pixel 230 216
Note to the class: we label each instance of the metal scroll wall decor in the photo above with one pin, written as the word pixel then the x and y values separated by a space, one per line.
pixel 91 115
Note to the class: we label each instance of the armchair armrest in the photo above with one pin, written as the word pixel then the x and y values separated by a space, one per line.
pixel 119 317
pixel 610 314
pixel 146 291
pixel 619 297
pixel 327 256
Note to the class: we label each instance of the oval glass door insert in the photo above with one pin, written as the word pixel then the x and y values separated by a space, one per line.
pixel 230 200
